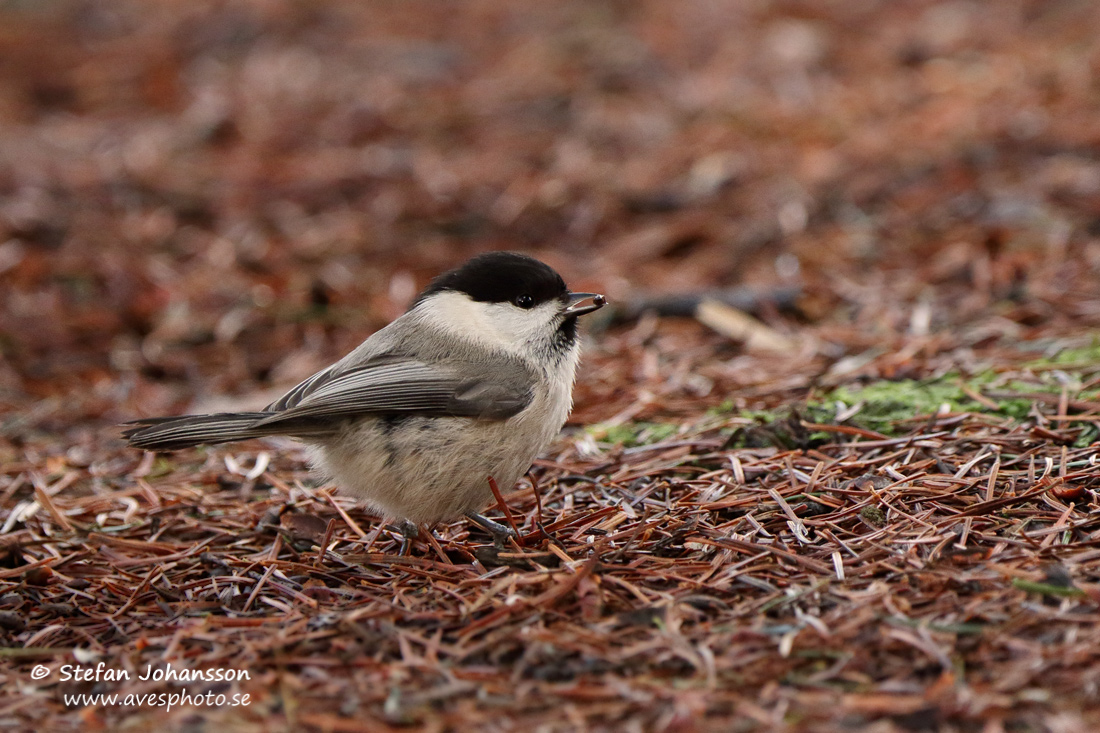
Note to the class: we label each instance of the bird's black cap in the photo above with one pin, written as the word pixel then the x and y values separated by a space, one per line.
pixel 502 277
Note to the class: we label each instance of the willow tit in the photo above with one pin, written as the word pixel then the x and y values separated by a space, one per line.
pixel 472 382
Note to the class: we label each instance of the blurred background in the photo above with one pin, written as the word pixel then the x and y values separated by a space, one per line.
pixel 206 201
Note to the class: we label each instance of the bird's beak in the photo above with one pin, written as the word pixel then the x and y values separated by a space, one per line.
pixel 573 304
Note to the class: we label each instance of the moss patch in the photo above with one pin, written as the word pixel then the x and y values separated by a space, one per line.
pixel 886 403
pixel 633 434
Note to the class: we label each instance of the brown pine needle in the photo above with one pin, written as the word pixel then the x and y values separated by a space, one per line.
pixel 503 506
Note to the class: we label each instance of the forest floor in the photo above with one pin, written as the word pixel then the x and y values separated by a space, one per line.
pixel 871 511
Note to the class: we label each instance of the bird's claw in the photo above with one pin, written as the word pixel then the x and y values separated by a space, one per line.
pixel 409 532
pixel 500 533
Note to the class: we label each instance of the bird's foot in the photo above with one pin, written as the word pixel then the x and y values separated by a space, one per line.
pixel 409 532
pixel 500 533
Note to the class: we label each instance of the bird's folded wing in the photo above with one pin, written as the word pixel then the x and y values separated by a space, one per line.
pixel 407 386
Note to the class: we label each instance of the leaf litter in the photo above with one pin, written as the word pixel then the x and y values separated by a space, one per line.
pixel 887 525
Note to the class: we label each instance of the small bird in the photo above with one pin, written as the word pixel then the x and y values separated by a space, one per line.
pixel 466 387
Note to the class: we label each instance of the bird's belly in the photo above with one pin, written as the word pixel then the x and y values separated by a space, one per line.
pixel 427 469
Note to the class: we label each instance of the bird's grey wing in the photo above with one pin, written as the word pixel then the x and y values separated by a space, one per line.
pixel 311 384
pixel 301 390
pixel 398 385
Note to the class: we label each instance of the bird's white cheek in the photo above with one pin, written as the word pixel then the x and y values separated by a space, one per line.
pixel 516 327
pixel 497 325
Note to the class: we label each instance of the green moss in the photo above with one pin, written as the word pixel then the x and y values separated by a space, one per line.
pixel 887 407
pixel 1017 409
pixel 724 408
pixel 1084 356
pixel 633 434
pixel 886 403
pixel 1088 436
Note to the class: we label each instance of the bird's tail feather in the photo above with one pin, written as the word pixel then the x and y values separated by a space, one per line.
pixel 173 433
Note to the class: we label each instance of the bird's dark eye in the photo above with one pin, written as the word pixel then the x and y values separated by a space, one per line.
pixel 524 301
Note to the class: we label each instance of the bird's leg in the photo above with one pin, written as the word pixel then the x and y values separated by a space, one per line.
pixel 500 533
pixel 409 532
pixel 503 506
